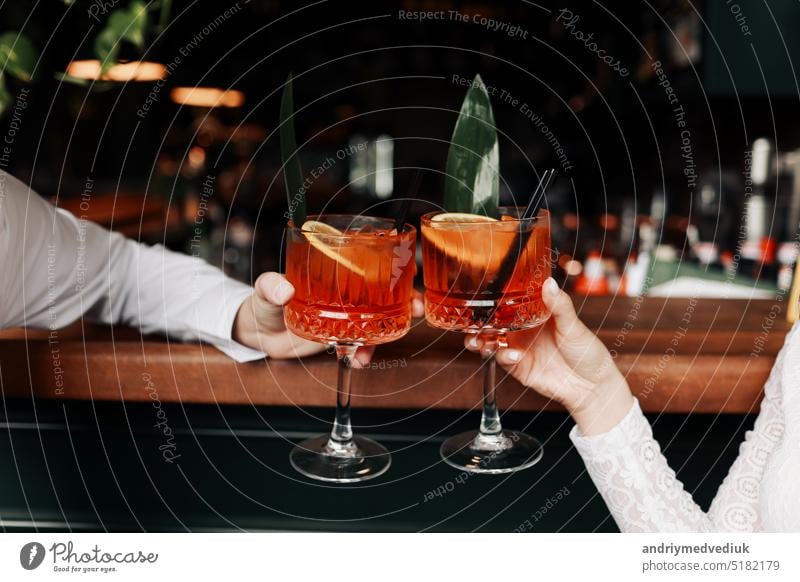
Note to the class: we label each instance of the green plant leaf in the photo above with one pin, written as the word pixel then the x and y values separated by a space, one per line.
pixel 67 78
pixel 5 96
pixel 129 23
pixel 124 24
pixel 472 180
pixel 163 15
pixel 106 49
pixel 292 172
pixel 137 23
pixel 18 56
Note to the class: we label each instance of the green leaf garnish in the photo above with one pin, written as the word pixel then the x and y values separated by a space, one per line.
pixel 292 172
pixel 472 180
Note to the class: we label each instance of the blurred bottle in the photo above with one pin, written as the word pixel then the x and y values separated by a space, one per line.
pixel 593 280
pixel 635 276
pixel 238 249
pixel 609 231
pixel 728 265
pixel 787 259
pixel 711 231
pixel 610 249
pixel 568 250
pixel 658 211
pixel 628 231
pixel 571 268
pixel 570 225
pixel 758 247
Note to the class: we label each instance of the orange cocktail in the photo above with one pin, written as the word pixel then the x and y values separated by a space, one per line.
pixel 484 275
pixel 353 277
pixel 465 286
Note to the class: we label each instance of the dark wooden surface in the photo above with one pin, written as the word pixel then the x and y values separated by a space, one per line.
pixel 679 356
pixel 86 460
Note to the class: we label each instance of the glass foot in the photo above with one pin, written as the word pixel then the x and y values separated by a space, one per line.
pixel 506 452
pixel 360 460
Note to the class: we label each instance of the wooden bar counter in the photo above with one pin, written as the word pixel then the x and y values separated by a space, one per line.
pixel 679 355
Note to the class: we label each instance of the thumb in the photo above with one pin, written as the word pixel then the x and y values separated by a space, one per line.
pixel 563 313
pixel 274 289
pixel 272 292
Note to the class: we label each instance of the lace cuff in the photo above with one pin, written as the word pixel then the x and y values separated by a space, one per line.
pixel 633 428
pixel 633 477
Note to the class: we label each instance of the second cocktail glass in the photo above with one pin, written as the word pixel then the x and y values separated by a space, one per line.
pixel 471 286
pixel 353 277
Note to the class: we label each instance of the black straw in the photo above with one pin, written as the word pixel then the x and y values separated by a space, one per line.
pixel 509 262
pixel 406 202
pixel 538 195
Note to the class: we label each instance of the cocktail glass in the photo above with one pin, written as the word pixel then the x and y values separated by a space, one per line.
pixel 353 277
pixel 470 288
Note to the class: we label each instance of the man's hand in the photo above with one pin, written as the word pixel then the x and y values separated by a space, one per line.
pixel 259 322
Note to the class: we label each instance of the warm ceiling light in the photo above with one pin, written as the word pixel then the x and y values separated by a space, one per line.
pixel 207 97
pixel 127 71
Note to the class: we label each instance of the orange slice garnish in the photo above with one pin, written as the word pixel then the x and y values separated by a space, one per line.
pixel 461 217
pixel 319 235
pixel 476 249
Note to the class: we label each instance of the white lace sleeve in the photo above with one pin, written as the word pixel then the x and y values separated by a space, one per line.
pixel 642 493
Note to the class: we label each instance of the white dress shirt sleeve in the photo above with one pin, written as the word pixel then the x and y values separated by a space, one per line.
pixel 55 268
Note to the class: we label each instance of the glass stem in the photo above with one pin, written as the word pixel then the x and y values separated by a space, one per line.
pixel 490 419
pixel 490 436
pixel 341 439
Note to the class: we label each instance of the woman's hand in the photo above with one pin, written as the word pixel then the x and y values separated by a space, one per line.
pixel 565 361
pixel 259 322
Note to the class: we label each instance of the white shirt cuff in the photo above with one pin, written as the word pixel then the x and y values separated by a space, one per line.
pixel 220 334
